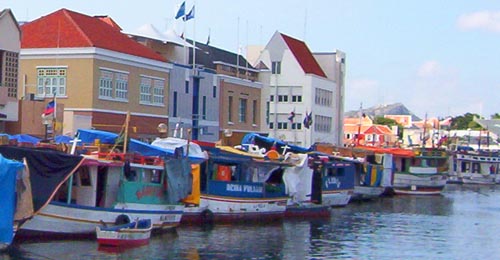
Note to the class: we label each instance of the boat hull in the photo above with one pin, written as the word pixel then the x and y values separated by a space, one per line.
pixel 220 209
pixel 307 211
pixel 336 198
pixel 367 192
pixel 127 237
pixel 66 220
pixel 411 184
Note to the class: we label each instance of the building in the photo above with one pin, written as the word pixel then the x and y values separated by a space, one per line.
pixel 97 72
pixel 299 83
pixel 238 88
pixel 10 46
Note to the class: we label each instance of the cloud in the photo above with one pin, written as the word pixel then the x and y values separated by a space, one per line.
pixel 429 69
pixel 484 20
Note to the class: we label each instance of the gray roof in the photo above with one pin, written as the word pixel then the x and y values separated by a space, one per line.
pixel 206 55
pixel 493 125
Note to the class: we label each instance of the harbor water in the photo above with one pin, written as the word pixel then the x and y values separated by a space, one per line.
pixel 463 223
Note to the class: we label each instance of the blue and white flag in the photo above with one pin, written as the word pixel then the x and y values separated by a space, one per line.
pixel 182 11
pixel 190 15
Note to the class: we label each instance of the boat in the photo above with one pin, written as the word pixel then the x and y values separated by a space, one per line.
pixel 136 233
pixel 475 167
pixel 298 184
pixel 9 170
pixel 332 180
pixel 373 172
pixel 236 186
pixel 418 171
pixel 114 188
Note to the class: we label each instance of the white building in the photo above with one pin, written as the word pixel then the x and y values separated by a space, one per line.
pixel 10 46
pixel 304 82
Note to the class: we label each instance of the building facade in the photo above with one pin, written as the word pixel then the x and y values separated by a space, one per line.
pixel 98 73
pixel 10 46
pixel 304 95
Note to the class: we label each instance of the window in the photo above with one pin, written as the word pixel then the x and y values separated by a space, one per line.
pixel 254 112
pixel 151 91
pixel 145 88
pixel 276 67
pixel 323 97
pixel 283 98
pixel 296 99
pixel 214 91
pixel 230 109
pixel 186 86
pixel 106 84
pixel 113 85
pixel 121 91
pixel 243 110
pixel 174 112
pixel 271 98
pixel 9 71
pixel 282 125
pixel 51 81
pixel 158 91
pixel 271 125
pixel 268 112
pixel 204 108
pixel 297 126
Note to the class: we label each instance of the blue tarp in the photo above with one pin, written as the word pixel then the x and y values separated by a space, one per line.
pixel 268 142
pixel 8 172
pixel 24 138
pixel 145 149
pixel 63 139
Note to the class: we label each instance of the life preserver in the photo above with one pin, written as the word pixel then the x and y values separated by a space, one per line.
pixel 122 219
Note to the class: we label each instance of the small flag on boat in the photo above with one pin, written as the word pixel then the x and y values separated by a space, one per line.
pixel 49 109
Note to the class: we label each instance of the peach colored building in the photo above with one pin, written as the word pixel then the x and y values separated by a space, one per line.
pixel 96 71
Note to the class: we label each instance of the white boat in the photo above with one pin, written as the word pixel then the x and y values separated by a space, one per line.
pixel 476 167
pixel 136 233
pixel 423 173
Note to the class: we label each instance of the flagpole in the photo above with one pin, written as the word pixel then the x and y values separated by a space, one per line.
pixel 194 37
pixel 238 48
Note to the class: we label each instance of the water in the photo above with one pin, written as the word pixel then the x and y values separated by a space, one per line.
pixel 462 224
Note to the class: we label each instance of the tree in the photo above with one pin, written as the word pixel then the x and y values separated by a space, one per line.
pixel 464 122
pixel 380 120
pixel 495 116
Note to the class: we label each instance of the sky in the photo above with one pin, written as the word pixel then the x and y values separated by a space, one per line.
pixel 438 58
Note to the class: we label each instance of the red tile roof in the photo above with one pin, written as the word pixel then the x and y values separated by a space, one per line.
pixel 304 56
pixel 68 29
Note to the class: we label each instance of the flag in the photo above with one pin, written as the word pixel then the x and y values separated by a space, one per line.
pixel 208 39
pixel 182 11
pixel 308 120
pixel 50 108
pixel 291 117
pixel 190 15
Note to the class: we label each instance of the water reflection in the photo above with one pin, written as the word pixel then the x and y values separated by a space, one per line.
pixel 461 224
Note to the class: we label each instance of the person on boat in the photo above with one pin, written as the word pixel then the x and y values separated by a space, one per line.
pixel 492 169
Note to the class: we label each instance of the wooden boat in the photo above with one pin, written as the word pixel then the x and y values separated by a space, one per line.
pixel 475 167
pixel 136 233
pixel 237 187
pixel 115 188
pixel 421 171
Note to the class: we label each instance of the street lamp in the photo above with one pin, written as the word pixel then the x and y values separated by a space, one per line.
pixel 162 130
